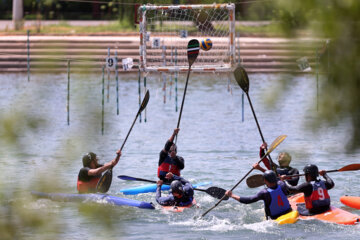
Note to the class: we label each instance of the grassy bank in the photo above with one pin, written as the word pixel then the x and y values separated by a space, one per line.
pixel 271 29
pixel 65 28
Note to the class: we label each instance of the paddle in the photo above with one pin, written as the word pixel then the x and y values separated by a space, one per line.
pixel 105 181
pixel 273 145
pixel 192 53
pixel 255 181
pixel 242 79
pixel 215 192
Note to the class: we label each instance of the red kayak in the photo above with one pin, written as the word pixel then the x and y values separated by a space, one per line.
pixel 178 208
pixel 351 201
pixel 333 215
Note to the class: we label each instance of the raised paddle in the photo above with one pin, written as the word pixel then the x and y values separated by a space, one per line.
pixel 256 180
pixel 105 180
pixel 215 192
pixel 273 145
pixel 192 53
pixel 242 79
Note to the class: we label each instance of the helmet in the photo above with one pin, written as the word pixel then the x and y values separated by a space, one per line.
pixel 312 170
pixel 270 176
pixel 174 147
pixel 284 159
pixel 88 158
pixel 177 187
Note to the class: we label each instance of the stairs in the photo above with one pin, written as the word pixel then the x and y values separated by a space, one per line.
pixel 88 53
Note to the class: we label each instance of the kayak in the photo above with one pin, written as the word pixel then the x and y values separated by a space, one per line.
pixel 333 215
pixel 94 197
pixel 351 201
pixel 152 188
pixel 178 208
pixel 288 218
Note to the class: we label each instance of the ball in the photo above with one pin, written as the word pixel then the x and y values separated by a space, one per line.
pixel 206 44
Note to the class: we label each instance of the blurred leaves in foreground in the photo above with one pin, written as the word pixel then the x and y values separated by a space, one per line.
pixel 24 129
pixel 339 21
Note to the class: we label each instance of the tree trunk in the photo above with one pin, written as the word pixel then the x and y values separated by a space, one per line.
pixel 18 14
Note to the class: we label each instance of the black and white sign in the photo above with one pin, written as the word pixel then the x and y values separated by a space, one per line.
pixel 110 63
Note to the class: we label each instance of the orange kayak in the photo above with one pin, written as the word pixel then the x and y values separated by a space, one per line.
pixel 334 215
pixel 351 201
pixel 178 208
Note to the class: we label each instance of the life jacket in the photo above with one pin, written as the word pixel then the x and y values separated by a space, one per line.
pixel 87 187
pixel 283 171
pixel 279 203
pixel 319 196
pixel 184 201
pixel 168 166
pixel 187 197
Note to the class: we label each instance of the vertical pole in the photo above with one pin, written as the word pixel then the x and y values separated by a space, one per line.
pixel 145 91
pixel 242 95
pixel 163 75
pixel 139 87
pixel 28 54
pixel 176 81
pixel 232 44
pixel 68 93
pixel 229 83
pixel 328 60
pixel 242 106
pixel 117 83
pixel 170 77
pixel 317 80
pixel 102 100
pixel 108 83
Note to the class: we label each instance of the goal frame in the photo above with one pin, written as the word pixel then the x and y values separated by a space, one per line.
pixel 142 10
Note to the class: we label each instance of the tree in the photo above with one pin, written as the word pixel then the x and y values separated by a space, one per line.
pixel 338 21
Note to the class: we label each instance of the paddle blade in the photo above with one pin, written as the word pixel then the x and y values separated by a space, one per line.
pixel 255 181
pixel 127 178
pixel 145 101
pixel 217 192
pixel 351 167
pixel 193 50
pixel 104 182
pixel 275 143
pixel 242 78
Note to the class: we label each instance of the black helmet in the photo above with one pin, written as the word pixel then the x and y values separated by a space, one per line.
pixel 270 176
pixel 88 158
pixel 312 170
pixel 177 187
pixel 174 147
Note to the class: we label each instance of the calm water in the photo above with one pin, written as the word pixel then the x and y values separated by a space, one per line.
pixel 216 144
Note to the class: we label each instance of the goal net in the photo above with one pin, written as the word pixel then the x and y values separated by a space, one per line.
pixel 166 30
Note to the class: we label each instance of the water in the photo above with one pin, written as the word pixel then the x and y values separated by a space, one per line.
pixel 45 154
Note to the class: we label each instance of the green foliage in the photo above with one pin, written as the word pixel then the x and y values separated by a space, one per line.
pixel 338 20
pixel 260 11
pixel 271 29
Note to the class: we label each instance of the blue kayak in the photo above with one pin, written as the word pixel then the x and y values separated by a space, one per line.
pixel 94 197
pixel 152 188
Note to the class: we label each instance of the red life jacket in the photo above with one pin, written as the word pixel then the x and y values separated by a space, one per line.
pixel 87 187
pixel 168 166
pixel 319 196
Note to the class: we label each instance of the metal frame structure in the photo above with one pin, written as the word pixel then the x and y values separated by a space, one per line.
pixel 143 10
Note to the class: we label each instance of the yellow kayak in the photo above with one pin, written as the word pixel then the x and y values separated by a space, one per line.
pixel 288 218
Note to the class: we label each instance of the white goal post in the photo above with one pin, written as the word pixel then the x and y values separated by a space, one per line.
pixel 166 30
